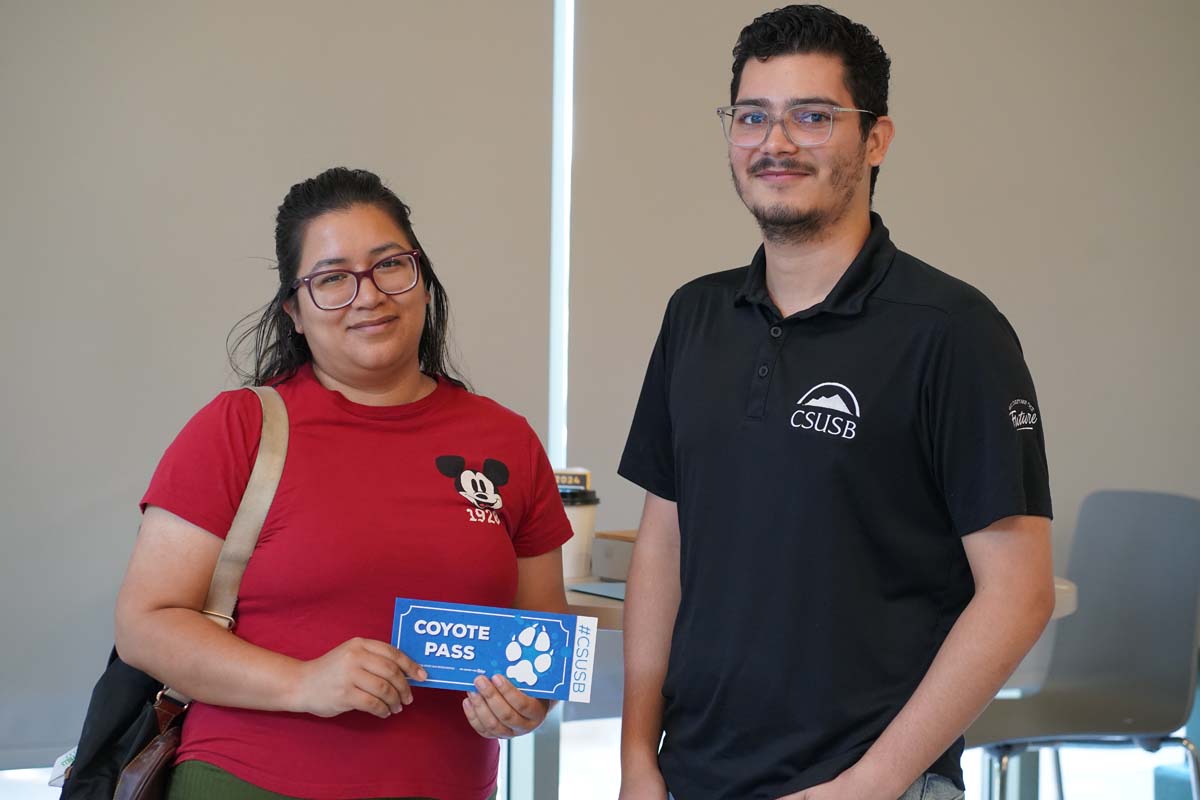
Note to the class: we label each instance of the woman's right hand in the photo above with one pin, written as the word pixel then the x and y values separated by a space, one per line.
pixel 357 675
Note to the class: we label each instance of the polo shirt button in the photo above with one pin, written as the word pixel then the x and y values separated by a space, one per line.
pixel 763 370
pixel 776 331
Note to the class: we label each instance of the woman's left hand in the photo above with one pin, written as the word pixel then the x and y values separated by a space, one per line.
pixel 499 710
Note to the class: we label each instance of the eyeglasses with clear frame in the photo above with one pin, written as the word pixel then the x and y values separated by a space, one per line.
pixel 804 125
pixel 332 289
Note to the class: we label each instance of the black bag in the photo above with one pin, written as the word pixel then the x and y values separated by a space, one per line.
pixel 132 726
pixel 120 723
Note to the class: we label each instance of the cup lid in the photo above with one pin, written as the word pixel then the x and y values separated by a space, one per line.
pixel 578 497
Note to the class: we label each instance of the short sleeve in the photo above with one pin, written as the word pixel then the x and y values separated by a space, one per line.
pixel 543 525
pixel 649 456
pixel 203 474
pixel 988 444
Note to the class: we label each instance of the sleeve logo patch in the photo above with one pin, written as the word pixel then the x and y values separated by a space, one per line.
pixel 1023 415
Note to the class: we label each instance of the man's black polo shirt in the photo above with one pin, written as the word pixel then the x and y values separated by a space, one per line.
pixel 825 467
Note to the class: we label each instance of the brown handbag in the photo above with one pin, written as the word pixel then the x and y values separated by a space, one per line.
pixel 147 775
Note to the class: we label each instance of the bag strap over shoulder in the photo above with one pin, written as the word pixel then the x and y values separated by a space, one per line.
pixel 252 512
pixel 248 522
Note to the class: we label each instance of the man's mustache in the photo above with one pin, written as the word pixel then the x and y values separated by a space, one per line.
pixel 790 165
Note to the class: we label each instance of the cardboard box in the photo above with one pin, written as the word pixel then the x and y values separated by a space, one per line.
pixel 611 553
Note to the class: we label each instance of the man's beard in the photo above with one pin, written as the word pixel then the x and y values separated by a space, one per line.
pixel 785 224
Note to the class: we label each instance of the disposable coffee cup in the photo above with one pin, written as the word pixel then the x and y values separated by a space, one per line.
pixel 580 505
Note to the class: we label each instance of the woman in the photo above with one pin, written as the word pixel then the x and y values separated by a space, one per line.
pixel 308 699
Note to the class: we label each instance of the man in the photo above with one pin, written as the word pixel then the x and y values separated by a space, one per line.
pixel 845 545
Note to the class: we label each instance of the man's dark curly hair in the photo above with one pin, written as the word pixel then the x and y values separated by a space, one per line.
pixel 817 29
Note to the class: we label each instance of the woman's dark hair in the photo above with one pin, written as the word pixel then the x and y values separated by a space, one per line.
pixel 278 349
pixel 817 29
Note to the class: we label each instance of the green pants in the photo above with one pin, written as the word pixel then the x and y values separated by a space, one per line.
pixel 197 780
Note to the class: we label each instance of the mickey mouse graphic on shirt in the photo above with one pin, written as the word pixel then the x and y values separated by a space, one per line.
pixel 481 489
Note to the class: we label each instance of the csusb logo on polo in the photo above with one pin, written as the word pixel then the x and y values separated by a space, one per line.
pixel 828 408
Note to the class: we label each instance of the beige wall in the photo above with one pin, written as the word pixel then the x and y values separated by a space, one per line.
pixel 143 151
pixel 1044 152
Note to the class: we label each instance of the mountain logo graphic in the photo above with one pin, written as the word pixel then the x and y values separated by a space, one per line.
pixel 829 408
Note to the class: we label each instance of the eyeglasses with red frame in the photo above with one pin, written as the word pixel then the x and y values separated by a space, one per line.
pixel 332 289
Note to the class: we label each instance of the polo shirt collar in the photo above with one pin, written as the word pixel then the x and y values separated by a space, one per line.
pixel 852 289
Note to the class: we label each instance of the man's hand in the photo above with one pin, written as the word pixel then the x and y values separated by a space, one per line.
pixel 843 787
pixel 644 785
pixel 499 710
pixel 823 791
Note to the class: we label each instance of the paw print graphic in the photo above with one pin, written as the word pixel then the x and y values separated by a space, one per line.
pixel 529 655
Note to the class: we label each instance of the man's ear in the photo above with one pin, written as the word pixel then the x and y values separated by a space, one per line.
pixel 879 139
pixel 290 308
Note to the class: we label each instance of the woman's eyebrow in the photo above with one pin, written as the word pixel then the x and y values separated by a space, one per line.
pixel 375 251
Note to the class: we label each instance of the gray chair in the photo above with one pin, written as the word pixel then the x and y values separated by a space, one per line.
pixel 1123 666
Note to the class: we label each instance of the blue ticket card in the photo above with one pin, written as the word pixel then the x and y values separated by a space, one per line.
pixel 543 654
